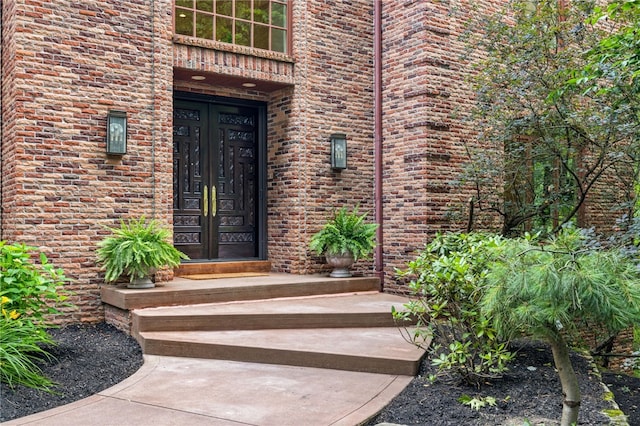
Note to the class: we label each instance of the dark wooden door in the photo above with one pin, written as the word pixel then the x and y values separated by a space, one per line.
pixel 216 180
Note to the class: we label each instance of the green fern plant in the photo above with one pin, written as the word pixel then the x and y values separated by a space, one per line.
pixel 137 248
pixel 345 232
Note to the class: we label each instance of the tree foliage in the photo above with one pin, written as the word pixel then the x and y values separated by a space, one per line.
pixel 546 290
pixel 617 56
pixel 557 102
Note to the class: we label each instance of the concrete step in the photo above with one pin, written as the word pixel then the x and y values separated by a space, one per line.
pixel 183 291
pixel 190 268
pixel 370 309
pixel 307 321
pixel 376 350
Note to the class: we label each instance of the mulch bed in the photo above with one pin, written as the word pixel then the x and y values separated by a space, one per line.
pixel 91 358
pixel 529 391
pixel 88 359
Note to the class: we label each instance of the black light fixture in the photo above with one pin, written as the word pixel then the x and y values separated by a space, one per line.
pixel 338 151
pixel 117 133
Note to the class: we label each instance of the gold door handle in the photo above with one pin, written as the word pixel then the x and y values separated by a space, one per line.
pixel 205 201
pixel 214 201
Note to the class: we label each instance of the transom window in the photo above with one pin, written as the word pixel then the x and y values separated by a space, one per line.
pixel 255 23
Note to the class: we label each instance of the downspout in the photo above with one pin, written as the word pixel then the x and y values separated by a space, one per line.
pixel 2 109
pixel 377 132
pixel 153 109
pixel 1 121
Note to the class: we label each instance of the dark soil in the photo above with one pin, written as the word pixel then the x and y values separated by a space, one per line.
pixel 91 358
pixel 87 360
pixel 529 392
pixel 627 394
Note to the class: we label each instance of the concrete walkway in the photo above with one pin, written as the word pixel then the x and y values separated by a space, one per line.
pixel 191 392
pixel 248 352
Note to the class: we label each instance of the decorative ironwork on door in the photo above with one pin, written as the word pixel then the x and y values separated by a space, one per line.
pixel 215 182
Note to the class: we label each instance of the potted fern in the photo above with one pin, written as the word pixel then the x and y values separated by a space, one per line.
pixel 136 249
pixel 345 238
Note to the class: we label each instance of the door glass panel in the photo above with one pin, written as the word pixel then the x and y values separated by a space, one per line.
pixel 261 37
pixel 242 22
pixel 206 5
pixel 279 14
pixel 261 11
pixel 243 9
pixel 224 7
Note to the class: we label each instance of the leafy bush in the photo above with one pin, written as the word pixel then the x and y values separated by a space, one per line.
pixel 136 248
pixel 345 232
pixel 447 282
pixel 29 295
pixel 32 292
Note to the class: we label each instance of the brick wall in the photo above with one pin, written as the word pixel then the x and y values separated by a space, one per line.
pixel 334 69
pixel 301 187
pixel 9 56
pixel 119 318
pixel 66 64
pixel 614 184
pixel 73 63
pixel 425 102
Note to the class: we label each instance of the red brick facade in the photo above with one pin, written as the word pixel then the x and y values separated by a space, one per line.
pixel 66 64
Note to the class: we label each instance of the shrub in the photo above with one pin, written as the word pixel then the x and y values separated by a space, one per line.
pixel 29 295
pixel 447 282
pixel 33 292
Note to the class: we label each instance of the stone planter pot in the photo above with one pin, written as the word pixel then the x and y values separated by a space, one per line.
pixel 341 264
pixel 140 283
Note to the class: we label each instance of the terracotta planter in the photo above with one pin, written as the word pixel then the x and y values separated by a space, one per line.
pixel 341 264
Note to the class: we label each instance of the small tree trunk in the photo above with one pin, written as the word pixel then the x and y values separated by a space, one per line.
pixel 568 380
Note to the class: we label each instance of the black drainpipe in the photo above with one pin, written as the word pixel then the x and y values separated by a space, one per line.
pixel 377 130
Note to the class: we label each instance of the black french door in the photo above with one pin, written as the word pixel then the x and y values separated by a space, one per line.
pixel 218 180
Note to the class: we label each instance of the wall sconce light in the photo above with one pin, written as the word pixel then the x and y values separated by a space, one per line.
pixel 117 133
pixel 338 151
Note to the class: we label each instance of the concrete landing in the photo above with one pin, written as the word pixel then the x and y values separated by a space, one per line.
pixel 188 391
